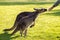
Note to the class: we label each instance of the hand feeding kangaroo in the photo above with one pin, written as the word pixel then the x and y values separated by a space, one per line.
pixel 25 20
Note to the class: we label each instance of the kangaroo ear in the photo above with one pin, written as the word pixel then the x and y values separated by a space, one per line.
pixel 35 9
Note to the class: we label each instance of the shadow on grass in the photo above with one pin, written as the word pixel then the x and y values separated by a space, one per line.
pixel 6 36
pixel 24 3
pixel 55 13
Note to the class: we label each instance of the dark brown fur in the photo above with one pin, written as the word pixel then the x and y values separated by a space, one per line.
pixel 24 20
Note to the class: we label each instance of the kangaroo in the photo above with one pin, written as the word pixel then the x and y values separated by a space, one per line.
pixel 26 21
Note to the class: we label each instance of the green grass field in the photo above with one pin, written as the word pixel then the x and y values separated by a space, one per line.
pixel 47 25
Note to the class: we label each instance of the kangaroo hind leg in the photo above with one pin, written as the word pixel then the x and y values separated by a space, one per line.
pixel 17 29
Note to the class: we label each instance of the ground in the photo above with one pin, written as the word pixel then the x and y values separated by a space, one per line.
pixel 47 24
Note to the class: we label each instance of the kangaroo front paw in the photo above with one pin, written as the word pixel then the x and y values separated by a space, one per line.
pixel 6 30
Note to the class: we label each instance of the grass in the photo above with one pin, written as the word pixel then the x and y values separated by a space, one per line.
pixel 24 3
pixel 47 25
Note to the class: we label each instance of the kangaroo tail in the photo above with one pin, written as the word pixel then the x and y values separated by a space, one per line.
pixel 13 27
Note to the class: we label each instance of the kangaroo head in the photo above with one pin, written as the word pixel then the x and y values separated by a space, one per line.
pixel 40 10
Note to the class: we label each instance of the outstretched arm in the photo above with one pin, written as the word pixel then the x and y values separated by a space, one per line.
pixel 56 4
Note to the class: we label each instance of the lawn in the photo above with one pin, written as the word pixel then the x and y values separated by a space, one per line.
pixel 47 25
